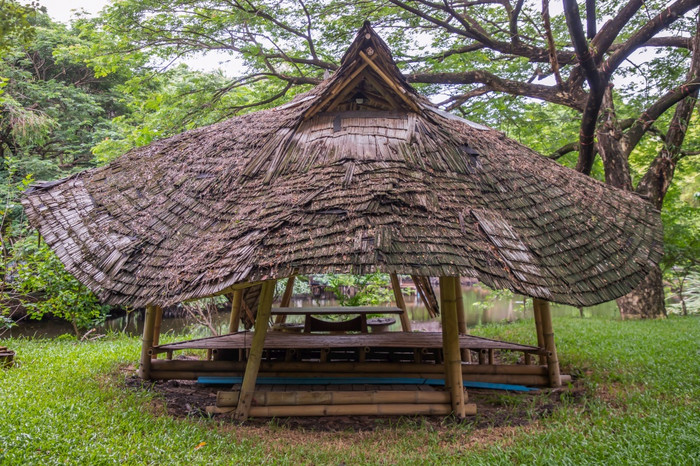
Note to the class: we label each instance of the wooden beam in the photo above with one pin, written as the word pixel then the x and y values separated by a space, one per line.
pixel 339 98
pixel 237 286
pixel 427 295
pixel 398 409
pixel 398 296
pixel 394 103
pixel 462 319
pixel 549 346
pixel 156 328
pixel 301 398
pixel 235 320
pixel 376 368
pixel 538 328
pixel 401 92
pixel 516 379
pixel 147 342
pixel 334 91
pixel 286 299
pixel 450 345
pixel 256 350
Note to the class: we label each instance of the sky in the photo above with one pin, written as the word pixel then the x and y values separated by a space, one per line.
pixel 64 11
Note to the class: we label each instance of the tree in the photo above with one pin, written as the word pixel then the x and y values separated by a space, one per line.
pixel 16 23
pixel 52 112
pixel 58 116
pixel 487 59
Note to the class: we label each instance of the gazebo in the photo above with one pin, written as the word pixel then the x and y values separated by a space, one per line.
pixel 359 174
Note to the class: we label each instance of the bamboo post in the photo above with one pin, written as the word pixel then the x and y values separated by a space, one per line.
pixel 450 345
pixel 156 329
pixel 147 342
pixel 462 319
pixel 538 326
pixel 235 321
pixel 256 350
pixel 548 335
pixel 398 296
pixel 286 299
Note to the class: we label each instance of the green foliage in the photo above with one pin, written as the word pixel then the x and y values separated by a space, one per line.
pixel 35 275
pixel 369 290
pixel 163 105
pixel 16 23
pixel 487 301
pixel 301 286
pixel 687 293
pixel 54 108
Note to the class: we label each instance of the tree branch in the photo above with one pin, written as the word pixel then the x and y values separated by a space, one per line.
pixel 611 29
pixel 646 32
pixel 496 83
pixel 554 63
pixel 563 150
pixel 648 117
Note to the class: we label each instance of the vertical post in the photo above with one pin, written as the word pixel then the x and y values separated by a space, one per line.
pixel 462 319
pixel 398 296
pixel 538 327
pixel 256 350
pixel 235 321
pixel 450 345
pixel 156 328
pixel 147 342
pixel 548 334
pixel 286 299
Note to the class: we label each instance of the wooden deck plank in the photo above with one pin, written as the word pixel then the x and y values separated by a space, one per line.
pixel 281 340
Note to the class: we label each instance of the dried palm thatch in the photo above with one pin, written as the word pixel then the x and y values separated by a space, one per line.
pixel 359 174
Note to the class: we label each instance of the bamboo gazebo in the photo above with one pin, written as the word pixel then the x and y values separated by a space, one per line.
pixel 359 174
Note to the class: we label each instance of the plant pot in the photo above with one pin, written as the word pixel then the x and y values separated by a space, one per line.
pixel 380 324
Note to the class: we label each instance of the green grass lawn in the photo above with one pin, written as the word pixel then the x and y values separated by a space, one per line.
pixel 65 405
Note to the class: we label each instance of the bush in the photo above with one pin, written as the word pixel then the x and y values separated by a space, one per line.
pixel 36 277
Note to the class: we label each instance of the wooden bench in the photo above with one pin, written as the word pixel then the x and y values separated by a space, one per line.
pixel 313 324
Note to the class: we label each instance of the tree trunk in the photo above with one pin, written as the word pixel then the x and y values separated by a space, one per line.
pixel 646 301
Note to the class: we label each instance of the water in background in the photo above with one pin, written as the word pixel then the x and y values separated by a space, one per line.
pixel 497 310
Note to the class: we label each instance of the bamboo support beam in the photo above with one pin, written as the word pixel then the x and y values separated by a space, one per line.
pixel 538 328
pixel 462 319
pixel 256 350
pixel 235 320
pixel 400 91
pixel 147 342
pixel 529 380
pixel 398 296
pixel 398 409
pixel 156 329
pixel 450 345
pixel 548 336
pixel 376 368
pixel 286 299
pixel 301 398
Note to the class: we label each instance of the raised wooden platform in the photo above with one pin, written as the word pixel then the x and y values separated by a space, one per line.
pixel 281 340
pixel 391 354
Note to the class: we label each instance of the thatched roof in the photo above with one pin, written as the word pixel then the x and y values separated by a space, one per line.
pixel 359 174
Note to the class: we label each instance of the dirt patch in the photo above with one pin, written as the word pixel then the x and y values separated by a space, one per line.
pixel 496 409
